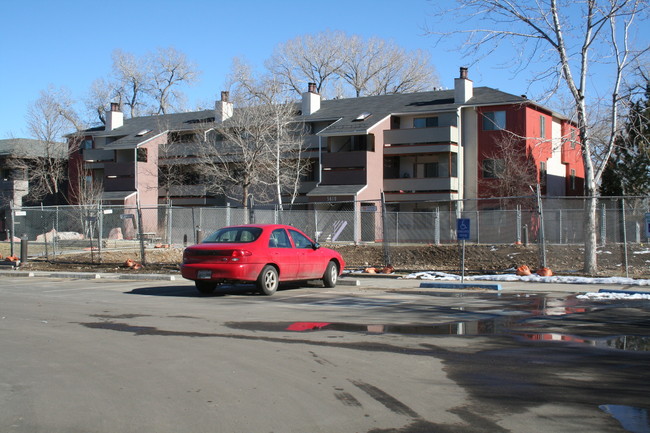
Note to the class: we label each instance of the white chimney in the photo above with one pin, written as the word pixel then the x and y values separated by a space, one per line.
pixel 223 109
pixel 310 100
pixel 114 118
pixel 463 88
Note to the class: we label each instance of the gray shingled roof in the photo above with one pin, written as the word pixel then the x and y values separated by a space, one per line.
pixel 28 148
pixel 335 190
pixel 405 103
pixel 342 111
pixel 116 195
pixel 128 133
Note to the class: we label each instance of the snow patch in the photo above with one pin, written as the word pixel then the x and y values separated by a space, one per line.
pixel 604 296
pixel 442 276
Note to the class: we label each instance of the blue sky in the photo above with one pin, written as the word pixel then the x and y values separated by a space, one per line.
pixel 68 43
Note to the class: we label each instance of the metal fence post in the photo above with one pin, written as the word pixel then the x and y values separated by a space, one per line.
pixel 100 230
pixel 140 234
pixel 396 228
pixel 357 223
pixel 518 225
pixel 525 235
pixel 627 271
pixel 436 226
pixel 12 227
pixel 23 248
pixel 542 237
pixel 603 225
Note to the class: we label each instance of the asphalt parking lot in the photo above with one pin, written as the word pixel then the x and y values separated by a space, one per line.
pixel 377 355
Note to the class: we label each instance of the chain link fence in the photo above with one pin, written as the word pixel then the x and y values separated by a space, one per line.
pixel 60 229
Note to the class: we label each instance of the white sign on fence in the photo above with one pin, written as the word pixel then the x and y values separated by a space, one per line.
pixel 20 213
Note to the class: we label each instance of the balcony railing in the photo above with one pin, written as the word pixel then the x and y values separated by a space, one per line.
pixel 119 169
pixel 421 184
pixel 410 149
pixel 345 159
pixel 97 155
pixel 442 134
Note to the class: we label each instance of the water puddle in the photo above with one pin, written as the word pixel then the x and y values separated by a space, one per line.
pixel 632 343
pixel 505 325
pixel 632 419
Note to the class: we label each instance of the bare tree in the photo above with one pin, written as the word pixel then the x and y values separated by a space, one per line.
pixel 404 72
pixel 509 171
pixel 49 118
pixel 334 60
pixel 170 69
pixel 234 157
pixel 378 67
pixel 88 190
pixel 568 39
pixel 308 59
pixel 133 81
pixel 102 92
pixel 286 145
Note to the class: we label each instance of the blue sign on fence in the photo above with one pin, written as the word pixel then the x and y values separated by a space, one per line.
pixel 462 229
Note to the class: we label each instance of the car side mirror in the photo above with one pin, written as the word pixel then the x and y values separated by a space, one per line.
pixel 315 245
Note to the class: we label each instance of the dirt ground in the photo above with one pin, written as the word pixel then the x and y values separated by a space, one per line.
pixel 479 259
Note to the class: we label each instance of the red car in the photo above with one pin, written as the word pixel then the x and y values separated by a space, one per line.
pixel 265 254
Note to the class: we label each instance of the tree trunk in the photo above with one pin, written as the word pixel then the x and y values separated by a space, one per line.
pixel 591 205
pixel 590 263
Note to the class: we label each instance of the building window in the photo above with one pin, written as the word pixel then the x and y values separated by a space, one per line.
pixel 454 165
pixel 492 168
pixel 425 122
pixel 494 120
pixel 542 126
pixel 87 144
pixel 573 138
pixel 428 169
pixel 572 179
pixel 363 116
pixel 542 172
pixel 142 154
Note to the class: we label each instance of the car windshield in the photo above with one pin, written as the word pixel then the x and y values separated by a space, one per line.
pixel 234 235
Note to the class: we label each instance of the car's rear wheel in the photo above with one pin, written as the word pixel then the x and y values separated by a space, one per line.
pixel 331 275
pixel 205 287
pixel 267 282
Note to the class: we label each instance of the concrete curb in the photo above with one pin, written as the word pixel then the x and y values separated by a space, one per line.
pixel 626 292
pixel 116 276
pixel 460 286
pixel 346 282
pixel 90 275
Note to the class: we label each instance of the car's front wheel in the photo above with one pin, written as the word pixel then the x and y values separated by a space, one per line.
pixel 267 282
pixel 205 287
pixel 331 275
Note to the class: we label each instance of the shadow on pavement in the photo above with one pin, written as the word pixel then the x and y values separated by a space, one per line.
pixel 191 292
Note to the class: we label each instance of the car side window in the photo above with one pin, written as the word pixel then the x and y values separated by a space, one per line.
pixel 279 239
pixel 300 240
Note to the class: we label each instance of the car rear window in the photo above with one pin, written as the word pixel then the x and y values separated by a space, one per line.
pixel 234 235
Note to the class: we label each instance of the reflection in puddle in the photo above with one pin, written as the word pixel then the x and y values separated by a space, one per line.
pixel 634 343
pixel 632 419
pixel 499 326
pixel 477 327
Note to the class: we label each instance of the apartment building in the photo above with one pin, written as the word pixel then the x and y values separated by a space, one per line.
pixel 416 148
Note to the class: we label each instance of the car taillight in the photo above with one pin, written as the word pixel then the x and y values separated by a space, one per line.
pixel 238 254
